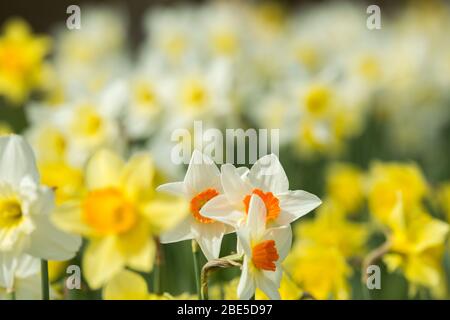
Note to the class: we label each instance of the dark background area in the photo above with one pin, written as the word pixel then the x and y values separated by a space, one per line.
pixel 42 15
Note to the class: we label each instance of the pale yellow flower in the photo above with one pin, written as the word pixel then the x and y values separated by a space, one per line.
pixel 120 215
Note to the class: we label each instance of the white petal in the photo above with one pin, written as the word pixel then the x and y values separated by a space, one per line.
pixel 8 264
pixel 243 240
pixel 175 188
pixel 219 208
pixel 209 238
pixel 48 242
pixel 256 220
pixel 269 283
pixel 202 174
pixel 234 186
pixel 17 160
pixel 243 172
pixel 268 174
pixel 246 287
pixel 283 240
pixel 295 204
pixel 181 232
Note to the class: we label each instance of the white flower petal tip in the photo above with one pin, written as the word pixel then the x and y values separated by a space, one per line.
pixel 17 160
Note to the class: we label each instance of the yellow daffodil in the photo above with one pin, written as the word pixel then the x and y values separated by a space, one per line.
pixel 322 271
pixel 330 228
pixel 21 60
pixel 416 246
pixel 387 181
pixel 120 215
pixel 128 285
pixel 345 186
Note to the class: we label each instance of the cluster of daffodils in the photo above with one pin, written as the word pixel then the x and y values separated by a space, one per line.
pixel 87 136
pixel 256 204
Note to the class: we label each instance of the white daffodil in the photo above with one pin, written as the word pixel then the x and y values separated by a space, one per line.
pixel 264 250
pixel 19 275
pixel 25 207
pixel 201 183
pixel 266 179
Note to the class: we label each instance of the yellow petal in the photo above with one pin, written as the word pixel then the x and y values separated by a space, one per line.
pixel 103 170
pixel 164 212
pixel 102 260
pixel 69 218
pixel 137 176
pixel 421 271
pixel 138 247
pixel 126 285
pixel 431 233
pixel 392 261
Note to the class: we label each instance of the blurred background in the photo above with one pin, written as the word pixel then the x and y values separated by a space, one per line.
pixel 364 115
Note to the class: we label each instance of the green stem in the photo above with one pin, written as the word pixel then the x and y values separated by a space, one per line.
pixel 11 295
pixel 157 269
pixel 196 257
pixel 44 280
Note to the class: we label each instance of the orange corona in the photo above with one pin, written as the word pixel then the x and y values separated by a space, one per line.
pixel 264 255
pixel 199 201
pixel 270 201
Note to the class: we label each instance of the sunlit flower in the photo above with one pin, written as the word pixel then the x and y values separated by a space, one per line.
pixel 321 271
pixel 269 182
pixel 264 251
pixel 416 247
pixel 120 215
pixel 331 228
pixel 200 185
pixel 128 285
pixel 25 207
pixel 345 186
pixel 21 60
pixel 387 180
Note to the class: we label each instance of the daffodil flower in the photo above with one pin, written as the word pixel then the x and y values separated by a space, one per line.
pixel 25 207
pixel 20 275
pixel 200 185
pixel 264 251
pixel 266 179
pixel 120 215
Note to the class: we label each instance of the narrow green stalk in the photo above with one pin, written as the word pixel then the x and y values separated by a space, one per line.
pixel 11 295
pixel 196 257
pixel 44 280
pixel 157 269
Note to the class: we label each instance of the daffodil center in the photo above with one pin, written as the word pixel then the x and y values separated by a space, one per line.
pixel 194 94
pixel 108 211
pixel 270 201
pixel 264 255
pixel 87 122
pixel 318 99
pixel 199 201
pixel 10 212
